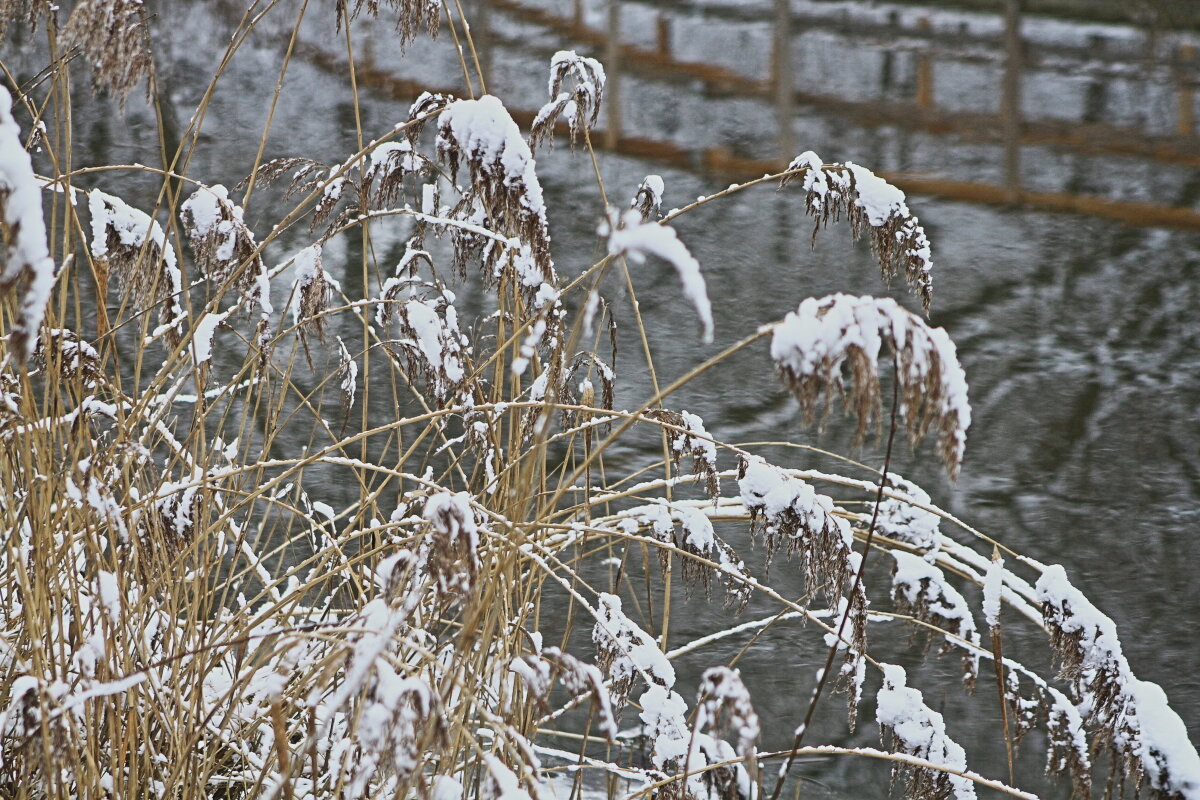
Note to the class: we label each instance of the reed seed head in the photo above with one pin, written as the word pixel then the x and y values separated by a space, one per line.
pixel 871 205
pixel 131 244
pixel 413 17
pixel 580 106
pixel 827 340
pixel 688 437
pixel 726 709
pixel 224 248
pixel 115 37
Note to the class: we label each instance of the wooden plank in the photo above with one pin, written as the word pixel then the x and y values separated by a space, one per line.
pixel 1088 138
pixel 720 162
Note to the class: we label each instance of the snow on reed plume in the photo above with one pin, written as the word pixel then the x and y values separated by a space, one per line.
pixel 1132 716
pixel 481 134
pixel 580 106
pixel 872 205
pixel 921 589
pixel 918 730
pixel 816 345
pixel 210 589
pixel 27 262
pixel 133 246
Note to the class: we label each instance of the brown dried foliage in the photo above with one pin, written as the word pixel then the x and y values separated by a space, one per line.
pixel 504 199
pixel 1101 681
pixel 547 118
pixel 167 527
pixel 417 725
pixel 347 377
pixel 589 83
pixel 115 37
pixel 926 399
pixel 305 174
pixel 926 609
pixel 243 264
pixel 815 536
pixel 730 570
pixel 334 189
pixel 578 678
pixel 142 271
pixel 312 301
pixel 36 718
pixel 414 15
pixel 808 528
pixel 453 560
pixel 647 202
pixel 921 783
pixel 405 570
pixel 900 244
pixel 1062 756
pixel 391 163
pixel 448 373
pixel 27 10
pixel 575 391
pixel 720 783
pixel 63 353
pixel 424 108
pixel 683 443
pixel 581 105
pixel 734 577
pixel 728 710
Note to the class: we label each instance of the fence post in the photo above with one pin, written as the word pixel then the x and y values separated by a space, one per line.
pixel 612 89
pixel 663 38
pixel 1185 123
pixel 577 19
pixel 1095 94
pixel 1010 103
pixel 924 70
pixel 782 80
pixel 887 57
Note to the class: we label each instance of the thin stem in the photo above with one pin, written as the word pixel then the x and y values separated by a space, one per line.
pixel 858 579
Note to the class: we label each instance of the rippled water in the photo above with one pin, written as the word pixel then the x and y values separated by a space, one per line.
pixel 1080 337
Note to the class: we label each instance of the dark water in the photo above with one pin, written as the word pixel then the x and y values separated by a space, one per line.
pixel 1080 337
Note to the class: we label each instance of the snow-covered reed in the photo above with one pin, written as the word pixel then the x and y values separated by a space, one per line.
pixel 244 558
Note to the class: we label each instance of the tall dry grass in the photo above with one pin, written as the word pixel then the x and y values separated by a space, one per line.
pixel 267 537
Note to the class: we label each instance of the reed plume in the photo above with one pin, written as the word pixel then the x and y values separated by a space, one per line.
pixel 873 206
pixel 828 339
pixel 131 244
pixel 580 106
pixel 115 37
pixel 27 263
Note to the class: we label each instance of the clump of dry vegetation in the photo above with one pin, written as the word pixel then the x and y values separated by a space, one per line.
pixel 267 536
